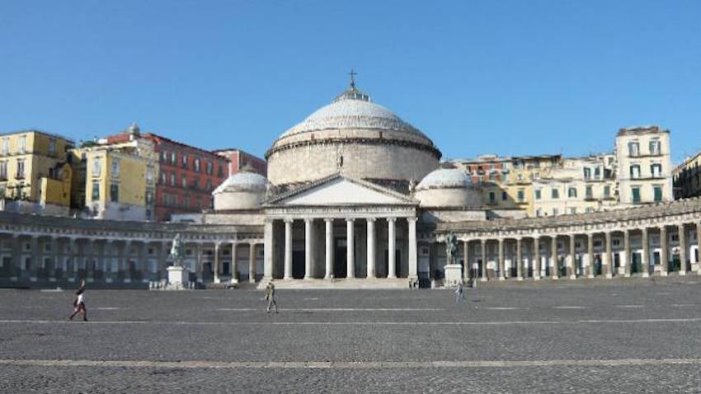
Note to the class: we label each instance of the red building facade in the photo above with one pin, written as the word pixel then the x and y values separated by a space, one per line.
pixel 187 176
pixel 239 159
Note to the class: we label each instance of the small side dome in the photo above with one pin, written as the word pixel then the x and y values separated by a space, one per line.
pixel 445 178
pixel 245 190
pixel 448 188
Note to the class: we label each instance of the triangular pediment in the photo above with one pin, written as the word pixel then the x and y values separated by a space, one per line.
pixel 342 191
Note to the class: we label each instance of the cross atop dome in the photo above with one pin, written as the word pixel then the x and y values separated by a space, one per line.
pixel 352 93
pixel 352 76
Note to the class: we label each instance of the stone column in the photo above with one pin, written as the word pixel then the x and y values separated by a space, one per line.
pixel 199 264
pixel 252 262
pixel 126 272
pixel 145 266
pixel 573 257
pixel 519 259
pixel 590 255
pixel 371 248
pixel 626 249
pixel 664 255
pixel 608 261
pixel 35 259
pixel 683 250
pixel 267 252
pixel 698 245
pixel 466 263
pixel 217 246
pixel 350 248
pixel 308 247
pixel 162 260
pixel 288 249
pixel 391 249
pixel 16 258
pixel 502 263
pixel 536 257
pixel 483 254
pixel 329 248
pixel 54 259
pixel 413 262
pixel 646 253
pixel 554 271
pixel 234 266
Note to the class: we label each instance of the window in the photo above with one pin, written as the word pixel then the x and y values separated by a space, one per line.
pixel 3 171
pixel 197 164
pixel 492 197
pixel 173 158
pixel 492 176
pixel 589 210
pixel 572 192
pixel 573 211
pixel 633 149
pixel 6 146
pixel 655 147
pixel 96 191
pixel 20 169
pixel 607 191
pixel 635 191
pixel 209 184
pixel 184 161
pixel 149 197
pixel 164 156
pixel 164 177
pixel 210 168
pixel 96 166
pixel 149 174
pixel 115 168
pixel 589 192
pixel 504 196
pixel 634 171
pixel 554 193
pixel 539 212
pixel 220 171
pixel 114 192
pixel 597 173
pixel 658 193
pixel 172 179
pixel 587 173
pixel 656 170
pixel 52 146
pixel 521 195
pixel 184 182
pixel 22 144
pixel 537 194
pixel 196 183
pixel 555 211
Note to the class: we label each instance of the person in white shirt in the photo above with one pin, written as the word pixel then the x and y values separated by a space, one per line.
pixel 79 302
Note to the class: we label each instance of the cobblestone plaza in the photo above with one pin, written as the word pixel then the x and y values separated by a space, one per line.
pixel 598 335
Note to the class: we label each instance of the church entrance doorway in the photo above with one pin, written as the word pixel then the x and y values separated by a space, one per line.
pixel 340 268
pixel 298 264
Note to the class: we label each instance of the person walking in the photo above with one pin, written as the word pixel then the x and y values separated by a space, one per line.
pixel 79 302
pixel 459 294
pixel 270 297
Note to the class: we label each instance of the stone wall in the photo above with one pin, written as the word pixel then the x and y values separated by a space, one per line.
pixel 360 160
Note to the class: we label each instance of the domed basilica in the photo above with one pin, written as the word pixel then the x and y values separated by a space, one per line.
pixel 349 191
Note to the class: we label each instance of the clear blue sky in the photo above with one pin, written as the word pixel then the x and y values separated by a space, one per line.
pixel 506 77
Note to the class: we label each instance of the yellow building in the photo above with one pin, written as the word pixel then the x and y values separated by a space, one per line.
pixel 117 179
pixel 34 173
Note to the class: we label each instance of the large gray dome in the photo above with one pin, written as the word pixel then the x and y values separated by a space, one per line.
pixel 352 114
pixel 353 136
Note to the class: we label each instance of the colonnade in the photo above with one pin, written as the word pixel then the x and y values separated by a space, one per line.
pixel 603 252
pixel 371 248
pixel 36 257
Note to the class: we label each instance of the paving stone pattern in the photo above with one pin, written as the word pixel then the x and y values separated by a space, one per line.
pixel 369 333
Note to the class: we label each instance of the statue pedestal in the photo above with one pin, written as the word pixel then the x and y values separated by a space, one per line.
pixel 177 275
pixel 453 274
